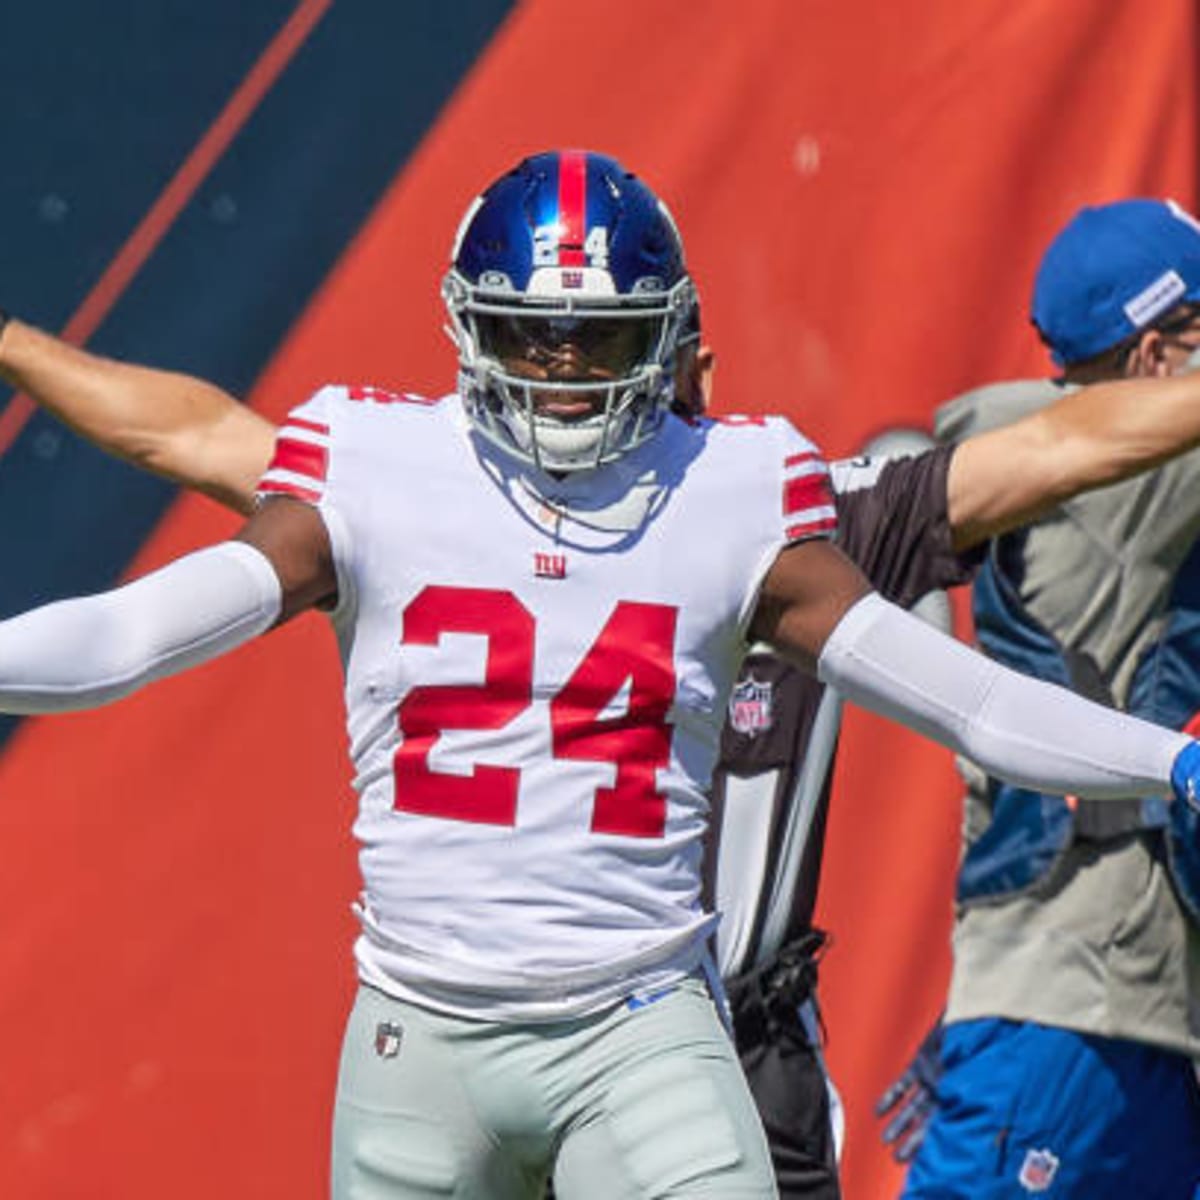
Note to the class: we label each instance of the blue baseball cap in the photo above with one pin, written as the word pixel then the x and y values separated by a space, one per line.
pixel 1114 270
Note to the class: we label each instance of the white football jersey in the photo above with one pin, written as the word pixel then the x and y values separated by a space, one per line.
pixel 536 677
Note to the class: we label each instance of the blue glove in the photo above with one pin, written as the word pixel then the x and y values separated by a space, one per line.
pixel 912 1099
pixel 1183 828
pixel 1185 776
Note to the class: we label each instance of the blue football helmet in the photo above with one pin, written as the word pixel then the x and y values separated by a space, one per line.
pixel 568 299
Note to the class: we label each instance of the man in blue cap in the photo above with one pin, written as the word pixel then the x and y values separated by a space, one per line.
pixel 1072 1027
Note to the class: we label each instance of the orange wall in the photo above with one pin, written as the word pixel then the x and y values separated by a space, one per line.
pixel 864 190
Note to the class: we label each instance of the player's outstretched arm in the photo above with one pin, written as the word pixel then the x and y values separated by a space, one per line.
pixel 1091 437
pixel 91 650
pixel 815 608
pixel 174 425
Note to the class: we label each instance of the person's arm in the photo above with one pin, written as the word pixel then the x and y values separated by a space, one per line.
pixel 817 609
pixel 92 650
pixel 1091 437
pixel 172 424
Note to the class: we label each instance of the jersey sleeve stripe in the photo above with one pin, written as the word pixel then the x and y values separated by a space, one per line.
pixel 807 491
pixel 300 458
pixel 296 423
pixel 281 487
pixel 300 463
pixel 805 457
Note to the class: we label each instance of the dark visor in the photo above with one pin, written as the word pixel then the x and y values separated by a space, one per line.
pixel 618 344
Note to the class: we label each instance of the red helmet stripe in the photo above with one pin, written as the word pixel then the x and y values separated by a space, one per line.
pixel 572 207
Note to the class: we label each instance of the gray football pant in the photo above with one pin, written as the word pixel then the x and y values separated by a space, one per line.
pixel 626 1103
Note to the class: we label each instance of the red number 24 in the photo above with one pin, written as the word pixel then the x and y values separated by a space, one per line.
pixel 635 647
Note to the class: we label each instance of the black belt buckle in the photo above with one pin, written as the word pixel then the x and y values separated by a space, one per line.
pixel 765 1001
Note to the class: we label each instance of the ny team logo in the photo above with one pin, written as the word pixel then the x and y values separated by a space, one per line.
pixel 750 707
pixel 549 566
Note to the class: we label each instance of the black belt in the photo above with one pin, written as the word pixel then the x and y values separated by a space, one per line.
pixel 764 1001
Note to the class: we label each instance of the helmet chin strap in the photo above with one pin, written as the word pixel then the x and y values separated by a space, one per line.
pixel 558 445
pixel 630 413
pixel 607 509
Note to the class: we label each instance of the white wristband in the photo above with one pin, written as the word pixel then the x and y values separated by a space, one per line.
pixel 1030 733
pixel 94 649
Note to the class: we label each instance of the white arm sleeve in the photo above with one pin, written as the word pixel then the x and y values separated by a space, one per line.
pixel 89 651
pixel 1030 733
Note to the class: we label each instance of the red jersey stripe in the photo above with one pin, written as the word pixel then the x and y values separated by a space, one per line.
pixel 278 486
pixel 300 458
pixel 309 426
pixel 806 491
pixel 794 460
pixel 572 207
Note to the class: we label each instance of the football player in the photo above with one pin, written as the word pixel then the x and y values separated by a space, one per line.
pixel 537 673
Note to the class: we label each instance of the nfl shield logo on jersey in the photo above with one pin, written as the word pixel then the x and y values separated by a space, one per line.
pixel 388 1037
pixel 1038 1170
pixel 750 707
